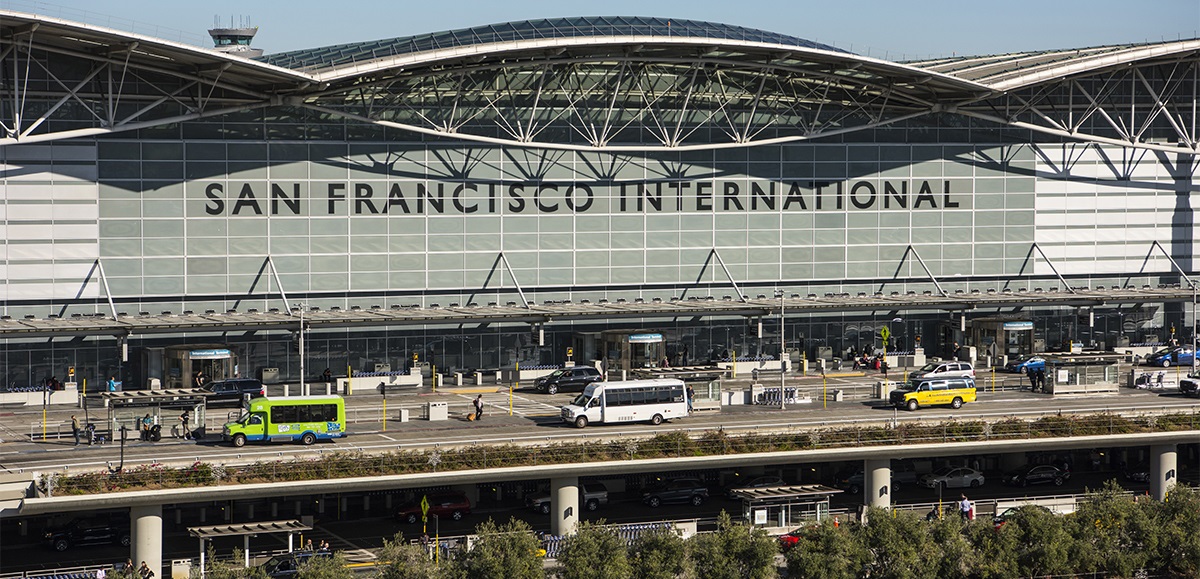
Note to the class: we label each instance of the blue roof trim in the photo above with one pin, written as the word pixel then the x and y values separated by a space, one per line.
pixel 312 59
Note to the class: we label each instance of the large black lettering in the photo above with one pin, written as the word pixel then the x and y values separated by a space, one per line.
pixel 925 194
pixel 278 194
pixel 757 193
pixel 680 192
pixel 704 200
pixel 396 198
pixel 425 194
pixel 795 195
pixel 216 204
pixel 517 204
pixel 652 199
pixel 859 185
pixel 363 197
pixel 890 193
pixel 537 198
pixel 731 196
pixel 246 199
pixel 458 204
pixel 334 194
pixel 587 200
pixel 946 203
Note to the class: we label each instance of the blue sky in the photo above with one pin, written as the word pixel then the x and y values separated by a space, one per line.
pixel 893 29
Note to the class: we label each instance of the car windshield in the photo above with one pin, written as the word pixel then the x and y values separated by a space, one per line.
pixel 929 367
pixel 581 400
pixel 945 470
pixel 557 373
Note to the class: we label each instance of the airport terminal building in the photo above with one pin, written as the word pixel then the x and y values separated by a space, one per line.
pixel 496 195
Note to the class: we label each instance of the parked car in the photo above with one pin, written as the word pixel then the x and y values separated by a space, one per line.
pixel 851 479
pixel 287 565
pixel 1190 386
pixel 455 505
pixel 233 390
pixel 757 483
pixel 105 529
pixel 789 540
pixel 1026 365
pixel 591 495
pixel 945 369
pixel 1002 518
pixel 566 379
pixel 1179 356
pixel 1138 473
pixel 1036 474
pixel 953 477
pixel 684 491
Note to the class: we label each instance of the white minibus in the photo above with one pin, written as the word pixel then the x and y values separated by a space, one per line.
pixel 652 401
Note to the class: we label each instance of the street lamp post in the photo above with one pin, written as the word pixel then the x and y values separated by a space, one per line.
pixel 302 391
pixel 1193 328
pixel 783 357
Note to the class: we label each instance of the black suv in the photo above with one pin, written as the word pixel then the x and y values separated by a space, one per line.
pixel 90 530
pixel 234 390
pixel 574 378
pixel 684 490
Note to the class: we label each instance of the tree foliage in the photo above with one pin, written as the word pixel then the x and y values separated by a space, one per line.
pixel 325 568
pixel 734 551
pixel 400 560
pixel 508 551
pixel 658 554
pixel 595 551
pixel 828 551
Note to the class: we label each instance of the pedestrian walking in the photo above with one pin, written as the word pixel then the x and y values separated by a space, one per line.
pixel 145 572
pixel 479 407
pixel 964 507
pixel 112 383
pixel 1033 380
pixel 691 395
pixel 75 428
pixel 184 420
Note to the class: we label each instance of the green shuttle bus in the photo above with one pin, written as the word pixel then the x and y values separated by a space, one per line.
pixel 298 418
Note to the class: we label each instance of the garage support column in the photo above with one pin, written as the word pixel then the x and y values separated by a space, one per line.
pixel 147 525
pixel 564 505
pixel 877 483
pixel 1163 470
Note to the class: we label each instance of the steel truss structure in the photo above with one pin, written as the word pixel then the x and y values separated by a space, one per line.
pixel 633 85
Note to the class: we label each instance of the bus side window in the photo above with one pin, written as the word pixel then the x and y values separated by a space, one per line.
pixel 255 419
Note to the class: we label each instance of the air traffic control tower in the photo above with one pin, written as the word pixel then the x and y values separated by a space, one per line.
pixel 235 41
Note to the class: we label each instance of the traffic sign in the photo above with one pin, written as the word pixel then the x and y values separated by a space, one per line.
pixel 424 505
pixel 885 333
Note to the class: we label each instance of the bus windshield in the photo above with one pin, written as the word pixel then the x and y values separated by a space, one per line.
pixel 581 400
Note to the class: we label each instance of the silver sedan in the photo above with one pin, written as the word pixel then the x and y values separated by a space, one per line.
pixel 953 477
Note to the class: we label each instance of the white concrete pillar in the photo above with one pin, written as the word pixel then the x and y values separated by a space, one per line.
pixel 147 526
pixel 387 501
pixel 564 505
pixel 877 483
pixel 1164 470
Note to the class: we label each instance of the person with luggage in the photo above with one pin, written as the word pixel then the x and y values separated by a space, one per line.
pixel 479 407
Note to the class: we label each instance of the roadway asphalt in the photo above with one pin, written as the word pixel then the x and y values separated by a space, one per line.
pixel 534 418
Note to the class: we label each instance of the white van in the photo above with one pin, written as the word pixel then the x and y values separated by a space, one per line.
pixel 650 401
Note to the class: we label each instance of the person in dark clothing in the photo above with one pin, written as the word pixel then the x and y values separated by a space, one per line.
pixel 75 428
pixel 1033 380
pixel 185 420
pixel 479 407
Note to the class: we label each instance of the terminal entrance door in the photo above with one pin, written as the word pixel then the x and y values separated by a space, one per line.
pixel 630 351
pixel 181 363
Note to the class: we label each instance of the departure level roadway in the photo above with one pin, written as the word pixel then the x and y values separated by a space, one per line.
pixel 498 427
